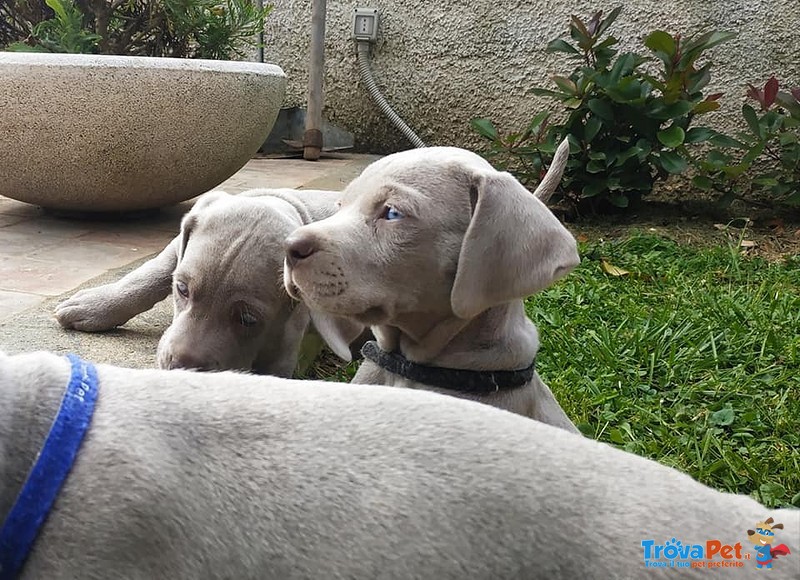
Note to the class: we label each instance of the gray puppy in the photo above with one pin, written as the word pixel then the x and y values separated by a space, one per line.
pixel 221 475
pixel 435 250
pixel 224 272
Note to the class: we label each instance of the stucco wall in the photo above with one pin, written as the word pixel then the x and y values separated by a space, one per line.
pixel 441 63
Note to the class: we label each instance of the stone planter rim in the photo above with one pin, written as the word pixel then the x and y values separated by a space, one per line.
pixel 148 62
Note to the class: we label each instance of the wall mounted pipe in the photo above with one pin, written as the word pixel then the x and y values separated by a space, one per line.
pixel 362 50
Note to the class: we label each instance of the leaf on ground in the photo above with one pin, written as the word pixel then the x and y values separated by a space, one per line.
pixel 721 227
pixel 616 436
pixel 776 225
pixel 582 238
pixel 748 244
pixel 723 417
pixel 612 270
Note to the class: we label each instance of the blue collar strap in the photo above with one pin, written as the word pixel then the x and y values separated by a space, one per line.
pixel 50 469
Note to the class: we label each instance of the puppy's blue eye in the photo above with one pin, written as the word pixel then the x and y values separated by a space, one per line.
pixel 182 289
pixel 390 213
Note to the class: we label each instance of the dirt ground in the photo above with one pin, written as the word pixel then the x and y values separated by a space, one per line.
pixel 771 233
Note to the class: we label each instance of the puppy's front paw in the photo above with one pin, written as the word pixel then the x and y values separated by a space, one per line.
pixel 92 310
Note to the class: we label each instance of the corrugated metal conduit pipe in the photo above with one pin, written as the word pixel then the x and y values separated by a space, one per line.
pixel 369 82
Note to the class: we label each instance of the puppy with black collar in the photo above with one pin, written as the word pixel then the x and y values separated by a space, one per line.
pixel 436 250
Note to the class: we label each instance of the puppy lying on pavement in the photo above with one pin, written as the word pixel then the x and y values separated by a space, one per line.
pixel 224 271
pixel 185 475
pixel 436 250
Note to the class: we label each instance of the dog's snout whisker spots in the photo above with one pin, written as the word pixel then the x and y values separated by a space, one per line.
pixel 330 289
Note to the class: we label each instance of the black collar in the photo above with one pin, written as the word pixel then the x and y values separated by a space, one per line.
pixel 461 380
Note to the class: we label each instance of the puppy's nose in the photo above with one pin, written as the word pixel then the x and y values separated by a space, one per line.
pixel 299 248
pixel 190 362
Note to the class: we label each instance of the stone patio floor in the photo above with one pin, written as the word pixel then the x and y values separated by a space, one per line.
pixel 43 255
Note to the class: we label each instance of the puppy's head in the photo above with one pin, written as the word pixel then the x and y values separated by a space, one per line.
pixel 429 232
pixel 230 309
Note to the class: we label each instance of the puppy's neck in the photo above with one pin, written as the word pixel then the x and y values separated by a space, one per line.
pixel 500 338
pixel 32 387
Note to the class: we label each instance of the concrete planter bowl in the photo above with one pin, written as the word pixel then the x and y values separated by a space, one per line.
pixel 89 133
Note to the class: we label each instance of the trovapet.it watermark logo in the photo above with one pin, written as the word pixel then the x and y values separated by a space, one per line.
pixel 673 553
pixel 710 554
pixel 763 538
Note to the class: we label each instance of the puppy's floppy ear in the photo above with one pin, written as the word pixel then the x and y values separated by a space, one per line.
pixel 189 221
pixel 514 247
pixel 337 332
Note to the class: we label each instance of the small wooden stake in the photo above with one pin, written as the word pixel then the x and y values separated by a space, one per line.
pixel 312 139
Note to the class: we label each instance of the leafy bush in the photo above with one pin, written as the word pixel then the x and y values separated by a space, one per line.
pixel 63 33
pixel 526 154
pixel 765 158
pixel 17 17
pixel 626 126
pixel 217 29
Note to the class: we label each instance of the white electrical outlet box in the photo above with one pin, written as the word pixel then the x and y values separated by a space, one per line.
pixel 365 24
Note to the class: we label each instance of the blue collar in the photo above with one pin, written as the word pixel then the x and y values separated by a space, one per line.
pixel 50 470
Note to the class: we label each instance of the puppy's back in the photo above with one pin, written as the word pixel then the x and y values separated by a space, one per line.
pixel 188 475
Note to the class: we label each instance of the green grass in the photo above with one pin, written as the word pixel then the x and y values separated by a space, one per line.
pixel 693 360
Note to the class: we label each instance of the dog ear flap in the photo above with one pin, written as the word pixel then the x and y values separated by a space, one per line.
pixel 777 527
pixel 514 247
pixel 768 520
pixel 189 221
pixel 337 332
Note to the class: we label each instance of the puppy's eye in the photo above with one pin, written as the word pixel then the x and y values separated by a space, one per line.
pixel 391 213
pixel 182 289
pixel 247 320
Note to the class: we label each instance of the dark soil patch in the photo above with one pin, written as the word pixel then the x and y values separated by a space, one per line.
pixel 772 233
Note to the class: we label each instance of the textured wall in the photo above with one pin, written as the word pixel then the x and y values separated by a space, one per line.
pixel 441 63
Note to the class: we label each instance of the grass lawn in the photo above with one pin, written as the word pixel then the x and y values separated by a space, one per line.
pixel 692 358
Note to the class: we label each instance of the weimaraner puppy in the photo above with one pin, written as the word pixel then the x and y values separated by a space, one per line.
pixel 224 272
pixel 186 475
pixel 436 250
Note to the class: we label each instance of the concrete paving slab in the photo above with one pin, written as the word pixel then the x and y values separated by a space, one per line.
pixel 133 345
pixel 13 302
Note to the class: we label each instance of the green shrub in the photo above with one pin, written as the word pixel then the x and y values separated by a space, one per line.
pixel 764 158
pixel 17 17
pixel 217 29
pixel 626 125
pixel 65 32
